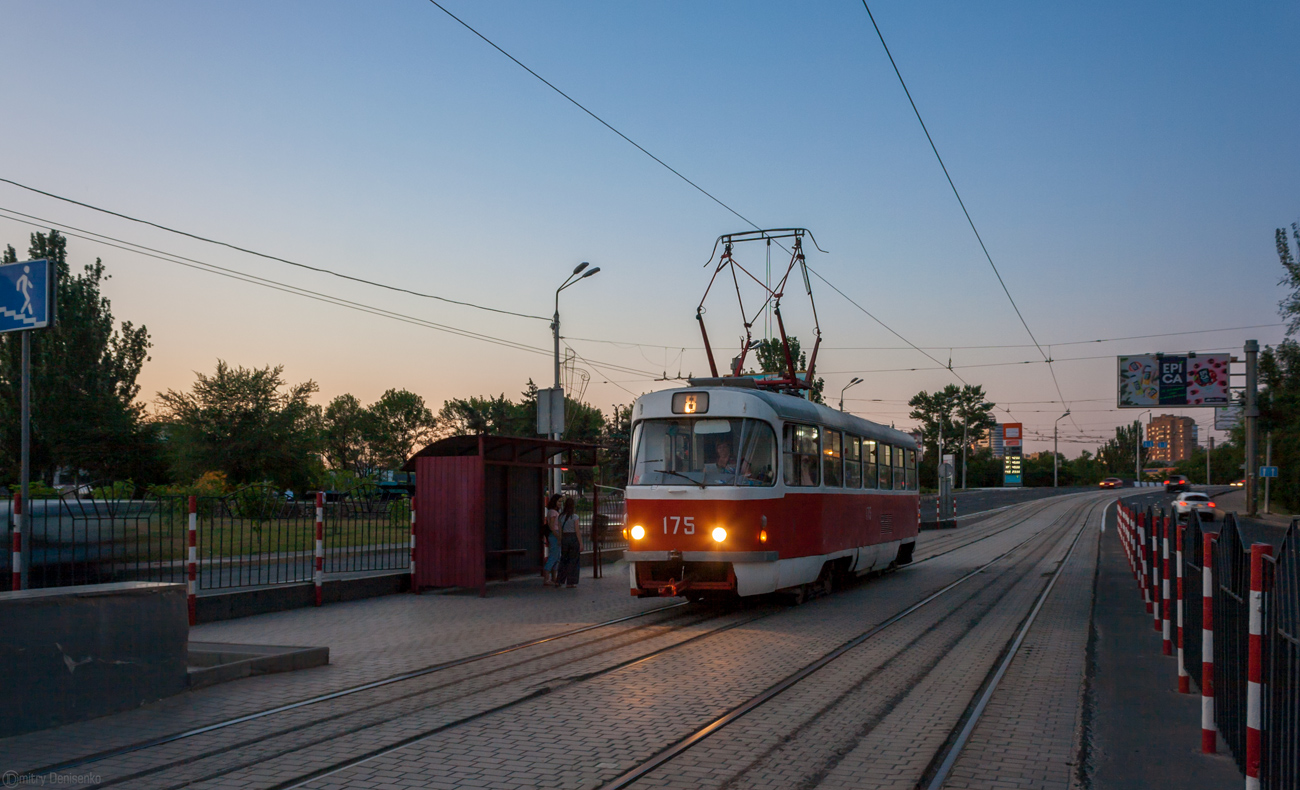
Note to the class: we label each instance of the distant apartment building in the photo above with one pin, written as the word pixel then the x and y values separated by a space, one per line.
pixel 1176 434
pixel 993 440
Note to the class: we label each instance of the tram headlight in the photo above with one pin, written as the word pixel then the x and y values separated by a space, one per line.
pixel 719 534
pixel 762 536
pixel 638 532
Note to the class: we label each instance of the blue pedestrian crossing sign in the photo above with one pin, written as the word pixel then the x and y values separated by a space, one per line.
pixel 27 295
pixel 1268 471
pixel 1148 443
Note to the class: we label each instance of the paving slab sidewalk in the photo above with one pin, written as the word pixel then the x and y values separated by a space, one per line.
pixel 1140 732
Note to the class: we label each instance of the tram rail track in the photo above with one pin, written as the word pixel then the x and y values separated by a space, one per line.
pixel 948 547
pixel 1076 519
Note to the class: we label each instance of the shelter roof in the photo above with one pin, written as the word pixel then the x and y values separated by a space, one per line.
pixel 512 450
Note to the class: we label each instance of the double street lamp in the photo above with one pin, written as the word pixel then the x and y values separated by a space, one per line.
pixel 855 380
pixel 580 272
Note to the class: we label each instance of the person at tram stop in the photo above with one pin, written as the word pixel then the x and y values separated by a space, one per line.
pixel 570 546
pixel 551 530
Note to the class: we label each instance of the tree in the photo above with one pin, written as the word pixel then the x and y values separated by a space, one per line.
pixel 1118 455
pixel 770 355
pixel 616 437
pixel 84 370
pixel 935 411
pixel 346 425
pixel 398 423
pixel 245 423
pixel 1290 306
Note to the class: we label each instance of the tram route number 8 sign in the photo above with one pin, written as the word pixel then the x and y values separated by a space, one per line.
pixel 1150 380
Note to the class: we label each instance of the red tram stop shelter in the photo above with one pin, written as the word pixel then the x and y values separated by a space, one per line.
pixel 479 504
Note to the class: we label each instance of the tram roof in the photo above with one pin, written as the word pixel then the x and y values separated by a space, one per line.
pixel 789 407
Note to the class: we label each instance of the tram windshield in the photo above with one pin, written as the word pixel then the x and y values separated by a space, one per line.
pixel 704 452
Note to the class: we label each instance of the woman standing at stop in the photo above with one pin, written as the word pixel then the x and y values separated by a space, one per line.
pixel 552 533
pixel 570 546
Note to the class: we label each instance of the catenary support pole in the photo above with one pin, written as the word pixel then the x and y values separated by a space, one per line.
pixel 1209 732
pixel 1252 421
pixel 319 574
pixel 1268 461
pixel 192 560
pixel 1255 667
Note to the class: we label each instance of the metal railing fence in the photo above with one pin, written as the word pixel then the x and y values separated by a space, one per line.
pixel 251 537
pixel 1280 764
pixel 1231 563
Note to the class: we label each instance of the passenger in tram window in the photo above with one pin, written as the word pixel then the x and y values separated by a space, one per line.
pixel 807 470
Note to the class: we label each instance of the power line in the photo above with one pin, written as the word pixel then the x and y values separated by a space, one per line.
pixel 269 257
pixel 962 203
pixel 252 279
pixel 990 365
pixel 671 169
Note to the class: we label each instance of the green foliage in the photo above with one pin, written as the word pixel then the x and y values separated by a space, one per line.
pixel 239 421
pixel 953 408
pixel 1290 306
pixel 398 423
pixel 1118 455
pixel 35 490
pixel 616 437
pixel 344 439
pixel 120 489
pixel 770 355
pixel 1279 414
pixel 84 370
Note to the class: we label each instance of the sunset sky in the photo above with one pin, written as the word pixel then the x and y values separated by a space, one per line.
pixel 1126 165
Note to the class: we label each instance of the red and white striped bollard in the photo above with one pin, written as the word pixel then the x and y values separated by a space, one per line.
pixel 1142 557
pixel 1209 731
pixel 414 588
pixel 320 548
pixel 192 560
pixel 17 547
pixel 1167 642
pixel 1184 680
pixel 1255 676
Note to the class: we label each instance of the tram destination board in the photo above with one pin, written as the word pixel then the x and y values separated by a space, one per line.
pixel 1147 380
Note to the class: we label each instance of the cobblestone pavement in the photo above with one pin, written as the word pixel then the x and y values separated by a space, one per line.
pixel 577 712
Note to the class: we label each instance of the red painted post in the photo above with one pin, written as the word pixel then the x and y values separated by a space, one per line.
pixel 320 547
pixel 1184 679
pixel 1255 676
pixel 414 588
pixel 17 583
pixel 1209 733
pixel 192 560
pixel 1165 593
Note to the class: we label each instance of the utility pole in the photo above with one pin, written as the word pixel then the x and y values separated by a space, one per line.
pixel 1207 461
pixel 965 440
pixel 1055 426
pixel 556 473
pixel 1268 461
pixel 1252 418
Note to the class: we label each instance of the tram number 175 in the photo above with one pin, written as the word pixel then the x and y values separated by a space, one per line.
pixel 685 523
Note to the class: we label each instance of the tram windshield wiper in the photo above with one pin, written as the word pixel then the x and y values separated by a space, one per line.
pixel 679 474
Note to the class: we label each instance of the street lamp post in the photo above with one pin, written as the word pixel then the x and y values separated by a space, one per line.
pixel 856 380
pixel 1055 427
pixel 555 331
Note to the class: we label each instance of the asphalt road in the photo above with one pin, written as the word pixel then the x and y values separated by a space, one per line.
pixel 1251 531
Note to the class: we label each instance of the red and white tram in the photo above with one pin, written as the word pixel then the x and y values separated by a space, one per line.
pixel 740 491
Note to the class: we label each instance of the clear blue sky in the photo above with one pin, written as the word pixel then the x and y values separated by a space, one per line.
pixel 1125 163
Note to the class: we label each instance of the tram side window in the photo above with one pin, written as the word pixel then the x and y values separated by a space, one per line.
pixel 852 462
pixel 833 459
pixel 886 473
pixel 900 477
pixel 869 479
pixel 801 455
pixel 909 459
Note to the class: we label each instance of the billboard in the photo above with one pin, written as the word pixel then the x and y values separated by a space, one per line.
pixel 1227 417
pixel 1148 380
pixel 1011 468
pixel 1011 434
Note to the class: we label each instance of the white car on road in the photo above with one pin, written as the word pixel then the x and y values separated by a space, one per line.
pixel 1188 501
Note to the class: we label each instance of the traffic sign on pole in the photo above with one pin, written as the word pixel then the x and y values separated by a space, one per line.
pixel 26 295
pixel 1148 444
pixel 1268 471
